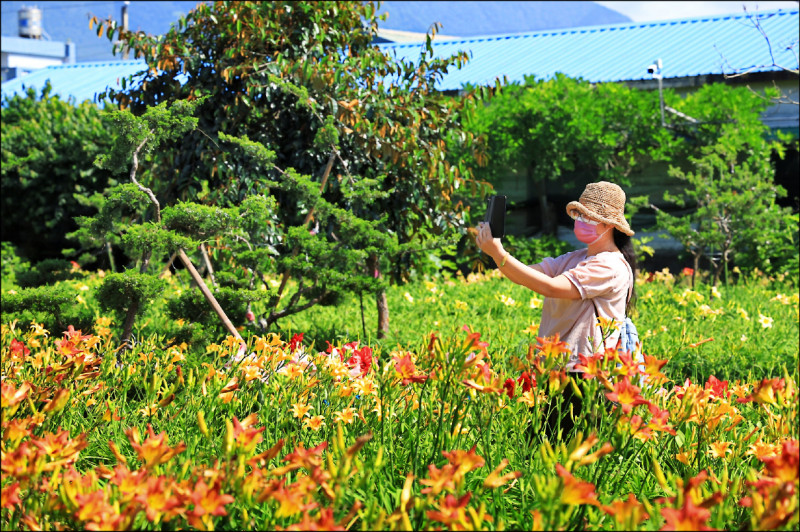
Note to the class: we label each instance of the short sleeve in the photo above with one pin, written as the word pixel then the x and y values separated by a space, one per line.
pixel 555 266
pixel 593 278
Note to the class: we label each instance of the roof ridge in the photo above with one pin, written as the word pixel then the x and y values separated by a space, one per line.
pixel 598 28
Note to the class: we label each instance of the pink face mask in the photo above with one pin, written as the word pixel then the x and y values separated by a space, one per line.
pixel 587 233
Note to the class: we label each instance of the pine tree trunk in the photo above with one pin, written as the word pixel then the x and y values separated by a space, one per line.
pixel 548 220
pixel 383 314
pixel 127 328
pixel 380 299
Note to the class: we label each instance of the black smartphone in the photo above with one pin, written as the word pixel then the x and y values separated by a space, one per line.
pixel 496 215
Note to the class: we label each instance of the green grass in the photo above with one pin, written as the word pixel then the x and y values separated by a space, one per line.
pixel 668 322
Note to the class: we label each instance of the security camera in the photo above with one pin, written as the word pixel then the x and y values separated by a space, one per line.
pixel 655 68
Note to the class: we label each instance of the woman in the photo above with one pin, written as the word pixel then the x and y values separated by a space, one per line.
pixel 582 285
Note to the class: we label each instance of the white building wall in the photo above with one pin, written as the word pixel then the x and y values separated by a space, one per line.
pixel 29 62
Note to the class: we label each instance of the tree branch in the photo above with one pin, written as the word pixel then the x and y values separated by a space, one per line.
pixel 208 295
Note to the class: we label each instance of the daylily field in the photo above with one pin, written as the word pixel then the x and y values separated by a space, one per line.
pixel 439 426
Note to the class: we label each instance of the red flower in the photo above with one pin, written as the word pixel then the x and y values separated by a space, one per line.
pixel 510 386
pixel 249 316
pixel 527 380
pixel 361 359
pixel 18 348
pixel 687 272
pixel 296 340
pixel 718 388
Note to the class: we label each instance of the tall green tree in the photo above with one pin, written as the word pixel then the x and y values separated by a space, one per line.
pixel 304 81
pixel 48 149
pixel 726 164
pixel 544 130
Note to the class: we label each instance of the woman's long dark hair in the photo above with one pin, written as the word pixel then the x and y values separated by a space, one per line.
pixel 625 245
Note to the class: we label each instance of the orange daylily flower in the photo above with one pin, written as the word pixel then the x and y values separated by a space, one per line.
pixel 68 348
pixel 551 346
pixel 719 449
pixel 575 491
pixel 764 392
pixel 245 437
pixel 628 514
pixel 158 499
pixel 590 365
pixel 154 450
pixel 492 386
pixel 58 402
pixel 15 430
pixel 761 449
pixel 314 422
pixel 459 463
pixel 785 466
pixel 659 420
pixel 473 341
pixel 626 366
pixel 579 455
pixel 9 496
pixel 18 349
pixel 690 517
pixel 627 395
pixel 439 479
pixel 302 457
pixel 652 367
pixel 323 521
pixel 60 446
pixel 94 509
pixel 452 512
pixel 300 410
pixel 464 461
pixel 495 480
pixel 78 336
pixel 292 501
pixel 130 483
pixel 226 394
pixel 346 415
pixel 11 397
pixel 208 501
pixel 406 370
pixel 261 459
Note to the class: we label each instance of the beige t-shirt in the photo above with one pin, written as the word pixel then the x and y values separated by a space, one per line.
pixel 605 279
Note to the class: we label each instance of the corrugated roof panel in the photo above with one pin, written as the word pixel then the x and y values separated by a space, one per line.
pixel 687 47
pixel 82 81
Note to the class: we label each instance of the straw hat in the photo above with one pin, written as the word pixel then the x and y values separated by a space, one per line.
pixel 604 202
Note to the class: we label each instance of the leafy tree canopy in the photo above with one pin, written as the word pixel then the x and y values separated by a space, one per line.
pixel 354 145
pixel 48 149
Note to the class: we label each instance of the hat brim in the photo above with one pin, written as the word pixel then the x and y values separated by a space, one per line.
pixel 575 208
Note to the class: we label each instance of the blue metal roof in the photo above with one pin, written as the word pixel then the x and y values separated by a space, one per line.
pixel 621 52
pixel 81 81
pixel 616 52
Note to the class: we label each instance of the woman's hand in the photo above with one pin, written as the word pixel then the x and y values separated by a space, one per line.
pixel 490 246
